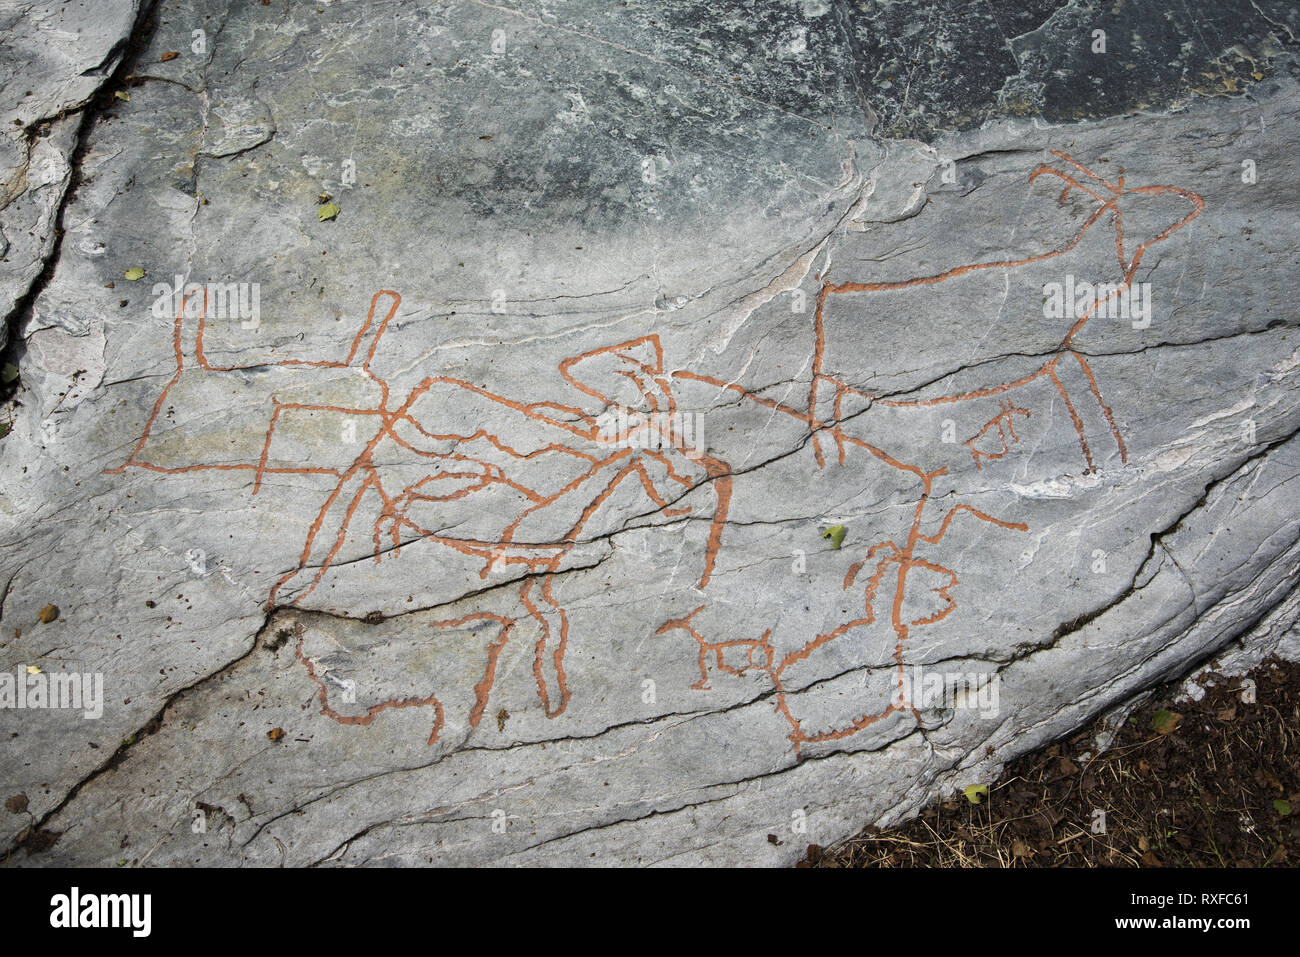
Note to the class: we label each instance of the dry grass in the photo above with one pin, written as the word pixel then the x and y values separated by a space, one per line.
pixel 1198 792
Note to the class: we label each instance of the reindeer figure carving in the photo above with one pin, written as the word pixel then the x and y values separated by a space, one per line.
pixel 540 520
pixel 559 482
pixel 898 561
pixel 1111 199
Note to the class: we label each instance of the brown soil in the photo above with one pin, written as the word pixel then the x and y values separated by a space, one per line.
pixel 1210 783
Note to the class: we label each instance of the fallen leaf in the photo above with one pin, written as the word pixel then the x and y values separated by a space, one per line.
pixel 1150 860
pixel 1020 849
pixel 275 734
pixel 836 534
pixel 1143 844
pixel 33 670
pixel 9 373
pixel 1163 722
pixel 169 55
pixel 122 95
pixel 1282 807
pixel 49 613
pixel 134 273
pixel 975 793
pixel 328 211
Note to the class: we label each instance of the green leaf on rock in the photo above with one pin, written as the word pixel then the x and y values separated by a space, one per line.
pixel 134 274
pixel 328 211
pixel 836 534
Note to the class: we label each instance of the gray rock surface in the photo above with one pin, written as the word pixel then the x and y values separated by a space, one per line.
pixel 54 56
pixel 364 534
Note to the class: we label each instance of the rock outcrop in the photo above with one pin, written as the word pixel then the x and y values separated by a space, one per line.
pixel 531 434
